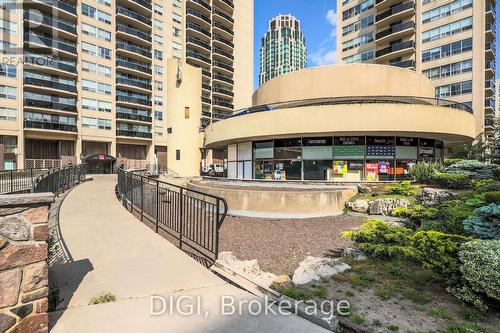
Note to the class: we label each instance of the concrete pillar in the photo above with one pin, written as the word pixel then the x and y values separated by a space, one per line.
pixel 183 118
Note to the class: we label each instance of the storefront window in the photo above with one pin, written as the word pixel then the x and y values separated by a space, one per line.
pixel 426 150
pixel 439 152
pixel 317 170
pixel 264 170
pixel 263 150
pixel 287 170
pixel 406 148
pixel 380 147
pixel 379 170
pixel 403 169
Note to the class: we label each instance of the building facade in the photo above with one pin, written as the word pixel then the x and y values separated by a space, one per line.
pixel 87 80
pixel 450 41
pixel 283 48
pixel 341 123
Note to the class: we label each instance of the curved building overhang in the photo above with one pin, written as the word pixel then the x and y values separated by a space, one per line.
pixel 451 125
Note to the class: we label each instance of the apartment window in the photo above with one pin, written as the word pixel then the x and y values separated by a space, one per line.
pixel 176 32
pixel 96 14
pixel 177 3
pixel 7 47
pixel 159 85
pixel 453 69
pixel 158 70
pixel 359 57
pixel 103 88
pixel 89 104
pixel 104 70
pixel 158 131
pixel 104 124
pixel 186 112
pixel 158 9
pixel 8 92
pixel 8 70
pixel 357 42
pixel 8 114
pixel 88 85
pixel 176 18
pixel 178 155
pixel 104 106
pixel 158 115
pixel 158 24
pixel 104 53
pixel 158 40
pixel 454 89
pixel 447 50
pixel 104 2
pixel 446 10
pixel 158 101
pixel 88 122
pixel 358 9
pixel 95 32
pixel 176 47
pixel 103 17
pixel 158 55
pixel 89 48
pixel 359 25
pixel 447 30
pixel 9 27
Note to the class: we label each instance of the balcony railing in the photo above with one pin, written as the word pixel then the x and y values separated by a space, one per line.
pixel 49 126
pixel 134 32
pixel 206 73
pixel 49 84
pixel 133 15
pixel 202 3
pixel 132 116
pixel 199 15
pixel 60 5
pixel 222 65
pixel 143 3
pixel 223 40
pixel 134 83
pixel 196 27
pixel 135 134
pixel 490 47
pixel 36 103
pixel 131 65
pixel 223 78
pixel 405 64
pixel 48 61
pixel 489 103
pixel 491 27
pixel 223 53
pixel 49 21
pixel 133 49
pixel 133 100
pixel 49 42
pixel 224 104
pixel 394 29
pixel 394 48
pixel 220 26
pixel 395 10
pixel 224 15
pixel 229 3
pixel 198 42
pixel 197 55
pixel 206 100
pixel 223 91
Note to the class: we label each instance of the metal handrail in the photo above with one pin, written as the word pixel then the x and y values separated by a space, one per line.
pixel 192 217
pixel 353 100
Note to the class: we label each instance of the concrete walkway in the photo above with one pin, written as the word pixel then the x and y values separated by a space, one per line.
pixel 114 252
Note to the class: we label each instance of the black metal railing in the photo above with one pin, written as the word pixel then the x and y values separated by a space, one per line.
pixel 53 126
pixel 394 48
pixel 42 180
pixel 354 100
pixel 191 218
pixel 395 10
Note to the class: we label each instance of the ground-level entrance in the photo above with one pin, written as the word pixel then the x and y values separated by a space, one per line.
pixel 99 163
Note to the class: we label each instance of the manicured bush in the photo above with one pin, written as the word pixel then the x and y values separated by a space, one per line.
pixel 481 266
pixel 484 222
pixel 490 187
pixel 474 169
pixel 496 173
pixel 439 252
pixel 422 172
pixel 451 180
pixel 404 188
pixel 465 293
pixel 450 161
pixel 492 197
pixel 379 239
pixel 416 214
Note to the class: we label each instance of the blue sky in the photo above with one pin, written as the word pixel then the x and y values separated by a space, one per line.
pixel 318 20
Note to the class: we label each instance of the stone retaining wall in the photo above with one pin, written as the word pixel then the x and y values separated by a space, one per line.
pixel 24 281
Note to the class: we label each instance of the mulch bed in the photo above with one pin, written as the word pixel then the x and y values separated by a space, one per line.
pixel 281 244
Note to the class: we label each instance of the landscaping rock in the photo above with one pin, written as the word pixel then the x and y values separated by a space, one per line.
pixel 359 205
pixel 35 276
pixel 364 189
pixel 434 196
pixel 313 268
pixel 387 205
pixel 22 254
pixel 354 254
pixel 6 322
pixel 250 269
pixel 9 285
pixel 281 280
pixel 14 228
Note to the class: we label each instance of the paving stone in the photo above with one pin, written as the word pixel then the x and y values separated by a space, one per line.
pixel 23 310
pixel 35 276
pixel 15 228
pixel 9 285
pixel 6 322
pixel 15 255
pixel 37 215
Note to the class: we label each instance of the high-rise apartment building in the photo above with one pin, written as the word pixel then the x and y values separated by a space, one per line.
pixel 87 80
pixel 283 48
pixel 450 41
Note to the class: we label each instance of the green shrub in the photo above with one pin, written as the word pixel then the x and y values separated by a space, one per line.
pixel 465 293
pixel 474 169
pixel 451 180
pixel 448 218
pixel 449 161
pixel 496 173
pixel 422 172
pixel 484 222
pixel 439 252
pixel 404 188
pixel 481 266
pixel 104 298
pixel 477 200
pixel 490 187
pixel 492 197
pixel 379 239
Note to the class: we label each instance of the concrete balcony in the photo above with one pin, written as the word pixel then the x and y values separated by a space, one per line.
pixel 48 86
pixel 133 35
pixel 45 63
pixel 395 13
pixel 48 24
pixel 222 30
pixel 197 58
pixel 201 5
pixel 134 134
pixel 63 48
pixel 395 50
pixel 223 18
pixel 133 51
pixel 132 18
pixel 395 32
pixel 50 126
pixel 193 15
pixel 198 31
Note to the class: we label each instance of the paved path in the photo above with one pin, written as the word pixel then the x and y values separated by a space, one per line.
pixel 114 252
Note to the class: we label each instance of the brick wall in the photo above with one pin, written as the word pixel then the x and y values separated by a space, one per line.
pixel 24 281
